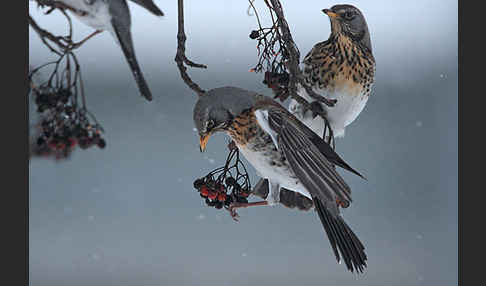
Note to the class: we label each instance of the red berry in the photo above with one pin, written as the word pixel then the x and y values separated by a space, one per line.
pixel 212 195
pixel 204 191
pixel 222 197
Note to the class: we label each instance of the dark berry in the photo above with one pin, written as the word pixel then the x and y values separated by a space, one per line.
pixel 198 183
pixel 40 141
pixel 241 200
pixel 230 181
pixel 254 34
pixel 101 143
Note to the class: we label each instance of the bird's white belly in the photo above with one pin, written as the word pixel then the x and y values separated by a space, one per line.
pixel 346 110
pixel 280 175
pixel 98 16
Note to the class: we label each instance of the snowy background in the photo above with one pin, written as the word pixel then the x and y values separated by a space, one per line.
pixel 128 215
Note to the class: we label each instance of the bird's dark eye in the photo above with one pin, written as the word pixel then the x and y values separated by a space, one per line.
pixel 348 15
pixel 210 124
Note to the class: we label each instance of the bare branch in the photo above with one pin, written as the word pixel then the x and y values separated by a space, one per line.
pixel 278 51
pixel 180 57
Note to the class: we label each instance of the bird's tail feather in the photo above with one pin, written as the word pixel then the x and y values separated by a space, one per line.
pixel 342 237
pixel 126 44
pixel 150 5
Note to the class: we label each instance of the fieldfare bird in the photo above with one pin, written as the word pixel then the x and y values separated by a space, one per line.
pixel 288 154
pixel 342 68
pixel 114 16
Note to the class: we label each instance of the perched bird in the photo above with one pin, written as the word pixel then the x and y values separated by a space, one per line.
pixel 288 154
pixel 114 16
pixel 342 68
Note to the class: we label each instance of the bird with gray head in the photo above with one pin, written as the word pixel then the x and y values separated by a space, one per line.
pixel 114 16
pixel 341 68
pixel 288 155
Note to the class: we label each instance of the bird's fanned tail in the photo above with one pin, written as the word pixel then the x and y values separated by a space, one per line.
pixel 342 238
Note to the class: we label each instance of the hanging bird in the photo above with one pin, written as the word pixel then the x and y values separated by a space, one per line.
pixel 114 16
pixel 288 154
pixel 342 68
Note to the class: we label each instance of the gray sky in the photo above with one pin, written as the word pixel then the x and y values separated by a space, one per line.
pixel 128 215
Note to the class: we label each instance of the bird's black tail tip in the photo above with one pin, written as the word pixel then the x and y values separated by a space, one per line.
pixel 343 239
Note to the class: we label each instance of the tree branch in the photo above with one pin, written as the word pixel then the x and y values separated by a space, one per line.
pixel 180 57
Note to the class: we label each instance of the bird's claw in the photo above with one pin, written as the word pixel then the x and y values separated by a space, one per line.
pixel 233 213
pixel 232 145
pixel 329 102
pixel 316 108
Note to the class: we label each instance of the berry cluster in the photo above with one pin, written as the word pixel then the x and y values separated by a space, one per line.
pixel 226 184
pixel 63 124
pixel 218 194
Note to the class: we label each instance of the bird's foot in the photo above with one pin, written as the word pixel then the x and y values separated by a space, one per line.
pixel 233 206
pixel 232 145
pixel 330 102
pixel 232 210
pixel 316 109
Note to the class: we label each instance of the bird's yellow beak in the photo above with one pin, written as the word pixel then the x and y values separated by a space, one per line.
pixel 203 141
pixel 330 13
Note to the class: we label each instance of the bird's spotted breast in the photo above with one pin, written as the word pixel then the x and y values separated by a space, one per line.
pixel 244 127
pixel 340 64
pixel 251 138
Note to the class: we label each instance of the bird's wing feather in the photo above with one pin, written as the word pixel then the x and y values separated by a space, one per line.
pixel 120 20
pixel 310 165
pixel 149 5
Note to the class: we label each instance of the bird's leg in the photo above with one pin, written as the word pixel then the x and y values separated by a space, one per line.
pixel 233 206
pixel 78 44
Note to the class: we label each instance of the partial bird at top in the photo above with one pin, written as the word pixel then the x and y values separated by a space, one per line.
pixel 114 16
pixel 342 68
